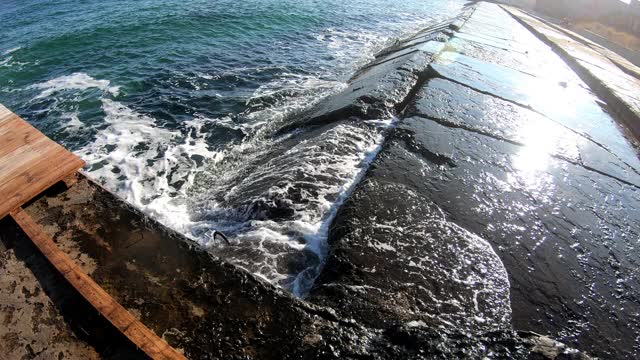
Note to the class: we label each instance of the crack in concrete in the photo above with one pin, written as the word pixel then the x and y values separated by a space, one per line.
pixel 528 107
pixel 480 45
pixel 452 125
pixel 404 135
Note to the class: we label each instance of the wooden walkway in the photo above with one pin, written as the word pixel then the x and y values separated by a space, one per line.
pixel 30 163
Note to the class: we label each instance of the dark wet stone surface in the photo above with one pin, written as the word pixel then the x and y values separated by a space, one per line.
pixel 566 235
pixel 568 104
pixel 383 87
pixel 507 144
pixel 212 310
pixel 401 261
pixel 377 90
pixel 396 259
pixel 455 105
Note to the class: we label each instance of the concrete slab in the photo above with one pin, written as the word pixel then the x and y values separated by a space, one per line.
pixel 31 322
pixel 514 148
pixel 565 235
pixel 455 105
pixel 566 103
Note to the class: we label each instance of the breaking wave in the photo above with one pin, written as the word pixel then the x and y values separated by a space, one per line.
pixel 155 169
pixel 274 195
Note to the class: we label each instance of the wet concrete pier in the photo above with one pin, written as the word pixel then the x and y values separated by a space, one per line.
pixel 506 142
pixel 503 211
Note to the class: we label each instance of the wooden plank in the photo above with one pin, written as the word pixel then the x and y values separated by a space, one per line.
pixel 13 136
pixel 34 177
pixel 30 162
pixel 27 156
pixel 31 182
pixel 4 112
pixel 122 319
pixel 37 156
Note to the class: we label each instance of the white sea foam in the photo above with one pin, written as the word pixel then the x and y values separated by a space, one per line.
pixel 353 170
pixel 74 123
pixel 75 81
pixel 10 51
pixel 10 62
pixel 142 162
pixel 5 62
pixel 154 169
pixel 322 171
pixel 134 157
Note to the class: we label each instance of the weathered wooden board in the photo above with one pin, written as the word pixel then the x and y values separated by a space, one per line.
pixel 122 319
pixel 30 162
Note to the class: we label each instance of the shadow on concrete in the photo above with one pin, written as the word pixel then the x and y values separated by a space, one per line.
pixel 83 319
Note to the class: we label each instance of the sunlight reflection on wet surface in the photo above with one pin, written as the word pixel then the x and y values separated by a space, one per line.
pixel 536 152
pixel 544 140
pixel 544 173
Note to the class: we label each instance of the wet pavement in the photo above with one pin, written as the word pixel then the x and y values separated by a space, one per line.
pixel 210 309
pixel 504 145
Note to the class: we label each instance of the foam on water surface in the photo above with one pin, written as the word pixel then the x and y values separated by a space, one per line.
pixel 12 50
pixel 76 81
pixel 155 169
pixel 189 134
pixel 307 182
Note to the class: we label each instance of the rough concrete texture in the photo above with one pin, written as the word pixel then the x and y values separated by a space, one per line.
pixel 32 326
pixel 44 316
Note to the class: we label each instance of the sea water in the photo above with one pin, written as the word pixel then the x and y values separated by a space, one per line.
pixel 175 106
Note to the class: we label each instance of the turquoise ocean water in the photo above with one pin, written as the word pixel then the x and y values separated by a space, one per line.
pixel 166 100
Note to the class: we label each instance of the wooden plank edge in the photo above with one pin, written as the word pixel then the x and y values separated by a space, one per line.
pixel 46 185
pixel 121 318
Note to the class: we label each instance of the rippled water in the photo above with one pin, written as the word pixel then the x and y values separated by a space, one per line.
pixel 174 104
